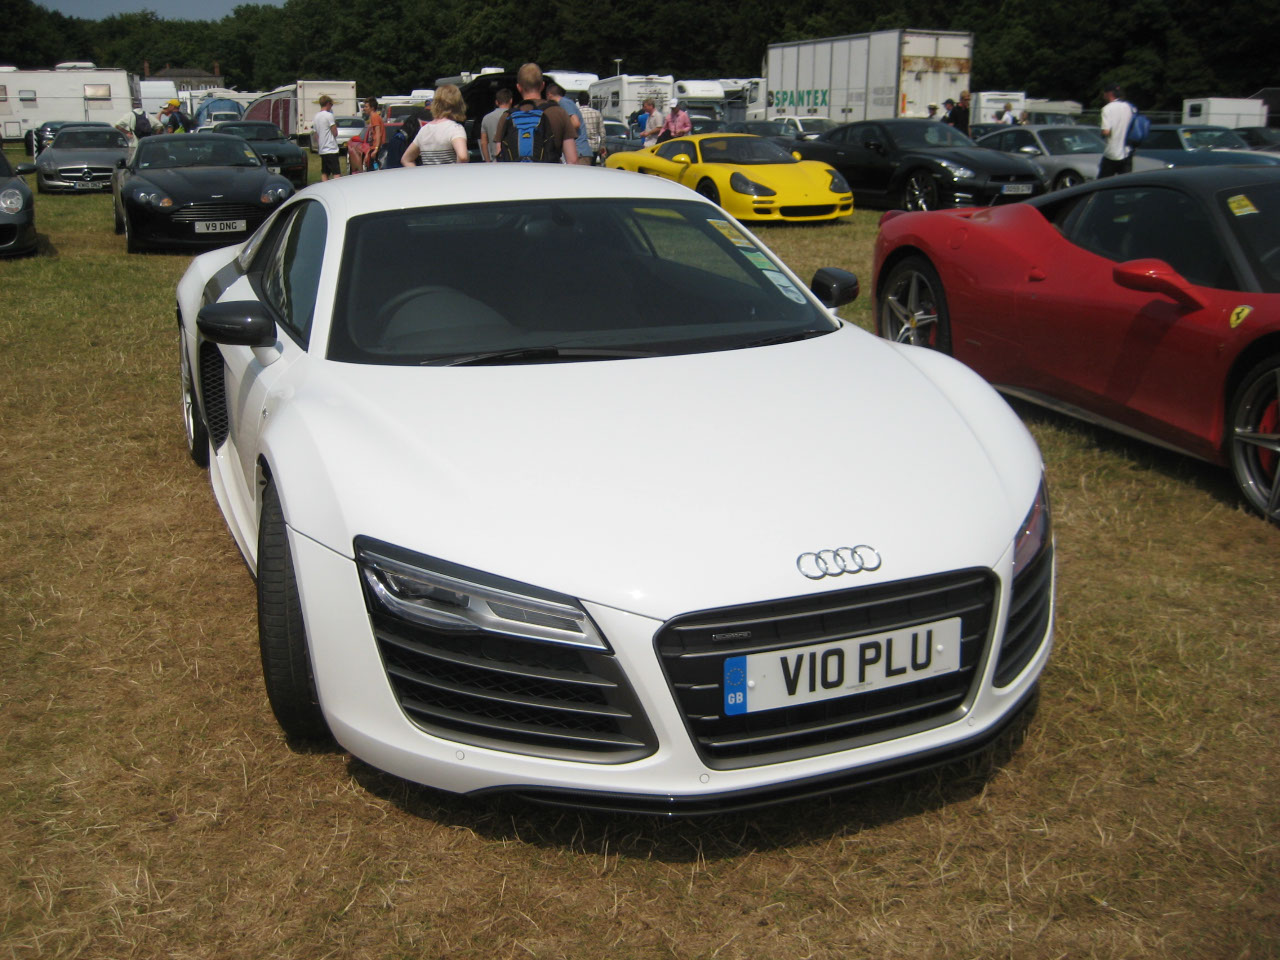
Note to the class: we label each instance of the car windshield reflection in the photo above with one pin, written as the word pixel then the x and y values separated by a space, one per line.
pixel 743 150
pixel 254 131
pixel 928 133
pixel 1072 140
pixel 165 153
pixel 410 292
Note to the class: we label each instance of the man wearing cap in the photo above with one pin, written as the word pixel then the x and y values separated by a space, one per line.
pixel 326 128
pixel 1117 157
pixel 161 122
pixel 178 122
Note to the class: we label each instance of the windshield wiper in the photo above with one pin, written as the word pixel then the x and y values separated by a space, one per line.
pixel 535 355
pixel 782 338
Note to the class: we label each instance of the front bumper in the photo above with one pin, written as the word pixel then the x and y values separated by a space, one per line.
pixel 74 180
pixel 990 193
pixel 176 227
pixel 17 234
pixel 674 770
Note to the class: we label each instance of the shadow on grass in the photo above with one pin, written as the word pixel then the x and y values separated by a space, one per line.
pixel 711 837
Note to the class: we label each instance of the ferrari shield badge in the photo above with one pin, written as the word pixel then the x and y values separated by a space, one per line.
pixel 1238 315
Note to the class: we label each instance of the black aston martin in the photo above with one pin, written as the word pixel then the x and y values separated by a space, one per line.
pixel 193 190
pixel 922 165
pixel 277 151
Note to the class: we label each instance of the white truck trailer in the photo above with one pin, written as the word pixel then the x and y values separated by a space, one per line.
pixel 701 98
pixel 618 97
pixel 988 106
pixel 70 91
pixel 866 76
pixel 1225 112
pixel 293 106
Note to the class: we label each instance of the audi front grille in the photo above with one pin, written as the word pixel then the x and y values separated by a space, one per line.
pixel 1030 605
pixel 694 665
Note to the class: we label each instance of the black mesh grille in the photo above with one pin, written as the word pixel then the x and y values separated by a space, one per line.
pixel 1029 608
pixel 694 665
pixel 810 211
pixel 213 393
pixel 220 210
pixel 510 693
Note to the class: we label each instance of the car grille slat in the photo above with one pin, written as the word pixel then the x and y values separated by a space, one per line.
pixel 77 173
pixel 219 210
pixel 213 393
pixel 510 693
pixel 1028 621
pixel 694 665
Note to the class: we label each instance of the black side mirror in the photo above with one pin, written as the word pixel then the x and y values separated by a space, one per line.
pixel 24 169
pixel 834 287
pixel 121 162
pixel 238 323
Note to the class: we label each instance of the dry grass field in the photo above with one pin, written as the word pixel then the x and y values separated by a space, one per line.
pixel 149 807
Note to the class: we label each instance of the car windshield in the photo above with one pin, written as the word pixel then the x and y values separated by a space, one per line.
pixel 1212 138
pixel 816 124
pixel 253 131
pixel 927 133
pixel 1254 215
pixel 672 276
pixel 762 128
pixel 90 140
pixel 706 125
pixel 159 153
pixel 1063 141
pixel 615 128
pixel 749 151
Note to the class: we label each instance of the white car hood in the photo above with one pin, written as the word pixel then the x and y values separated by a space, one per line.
pixel 664 485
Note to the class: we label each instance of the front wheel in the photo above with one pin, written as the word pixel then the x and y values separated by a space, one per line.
pixel 710 191
pixel 920 191
pixel 1253 430
pixel 131 243
pixel 912 306
pixel 282 635
pixel 1068 178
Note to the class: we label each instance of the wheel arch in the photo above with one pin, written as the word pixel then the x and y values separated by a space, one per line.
pixel 892 260
pixel 1265 346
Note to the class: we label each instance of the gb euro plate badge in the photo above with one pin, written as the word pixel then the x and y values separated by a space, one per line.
pixel 799 675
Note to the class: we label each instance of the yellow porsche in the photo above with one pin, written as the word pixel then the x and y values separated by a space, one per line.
pixel 750 177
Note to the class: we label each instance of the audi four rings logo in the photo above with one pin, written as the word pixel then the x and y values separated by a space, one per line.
pixel 832 563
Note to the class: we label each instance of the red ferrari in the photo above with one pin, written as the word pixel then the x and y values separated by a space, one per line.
pixel 1148 303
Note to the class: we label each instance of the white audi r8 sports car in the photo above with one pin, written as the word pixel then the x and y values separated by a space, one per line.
pixel 708 549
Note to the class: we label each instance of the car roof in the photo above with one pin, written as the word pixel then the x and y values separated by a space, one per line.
pixel 1201 180
pixel 451 184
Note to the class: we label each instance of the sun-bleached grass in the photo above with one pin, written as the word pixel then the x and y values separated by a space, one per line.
pixel 150 808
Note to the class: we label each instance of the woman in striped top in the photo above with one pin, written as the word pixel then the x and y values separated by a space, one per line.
pixel 443 138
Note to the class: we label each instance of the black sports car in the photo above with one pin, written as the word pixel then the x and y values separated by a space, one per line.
pixel 194 190
pixel 17 210
pixel 80 159
pixel 922 165
pixel 269 142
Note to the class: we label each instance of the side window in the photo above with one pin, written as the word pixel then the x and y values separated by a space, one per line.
pixel 1001 141
pixel 1162 140
pixel 291 269
pixel 675 148
pixel 1138 223
pixel 1019 139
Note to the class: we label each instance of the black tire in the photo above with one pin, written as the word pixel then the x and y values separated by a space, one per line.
pixel 920 191
pixel 115 210
pixel 131 243
pixel 1067 178
pixel 709 190
pixel 282 635
pixel 912 306
pixel 1253 431
pixel 192 420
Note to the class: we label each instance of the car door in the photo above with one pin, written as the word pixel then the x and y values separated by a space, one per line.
pixel 1138 357
pixel 285 275
pixel 672 160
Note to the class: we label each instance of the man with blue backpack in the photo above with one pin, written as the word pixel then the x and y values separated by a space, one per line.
pixel 1122 127
pixel 535 130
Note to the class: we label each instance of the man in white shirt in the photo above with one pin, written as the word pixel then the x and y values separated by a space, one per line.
pixel 326 128
pixel 653 125
pixel 1116 117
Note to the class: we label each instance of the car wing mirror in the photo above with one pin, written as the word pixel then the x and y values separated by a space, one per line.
pixel 834 287
pixel 23 169
pixel 875 145
pixel 1155 276
pixel 1029 151
pixel 237 323
pixel 121 162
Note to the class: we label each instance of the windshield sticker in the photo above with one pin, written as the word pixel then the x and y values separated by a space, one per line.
pixel 250 154
pixel 1241 206
pixel 1239 314
pixel 731 233
pixel 759 259
pixel 786 286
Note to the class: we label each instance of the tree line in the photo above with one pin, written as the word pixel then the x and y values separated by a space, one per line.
pixel 1161 51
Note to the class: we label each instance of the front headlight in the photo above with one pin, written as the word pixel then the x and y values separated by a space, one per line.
pixel 838 183
pixel 956 170
pixel 446 596
pixel 10 201
pixel 152 197
pixel 739 183
pixel 275 194
pixel 1041 172
pixel 1034 534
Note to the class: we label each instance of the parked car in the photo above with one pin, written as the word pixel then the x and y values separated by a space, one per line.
pixel 43 135
pixel 348 127
pixel 779 133
pixel 80 159
pixel 1148 303
pixel 1068 155
pixel 17 209
pixel 922 165
pixel 618 138
pixel 185 190
pixel 752 178
pixel 1260 138
pixel 474 509
pixel 979 130
pixel 1190 145
pixel 273 147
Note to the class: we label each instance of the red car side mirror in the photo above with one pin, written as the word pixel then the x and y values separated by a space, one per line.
pixel 1155 276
